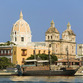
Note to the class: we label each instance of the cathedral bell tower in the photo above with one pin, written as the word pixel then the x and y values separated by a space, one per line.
pixel 52 37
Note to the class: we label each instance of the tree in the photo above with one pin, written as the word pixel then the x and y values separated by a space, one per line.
pixel 44 57
pixel 4 63
pixel 7 43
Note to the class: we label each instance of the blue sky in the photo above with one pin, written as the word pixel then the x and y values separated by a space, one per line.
pixel 39 14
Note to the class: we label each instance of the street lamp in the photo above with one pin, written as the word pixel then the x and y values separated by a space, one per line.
pixel 49 56
pixel 35 54
pixel 67 56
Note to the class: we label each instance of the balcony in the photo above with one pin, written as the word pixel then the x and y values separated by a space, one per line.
pixel 6 54
pixel 24 54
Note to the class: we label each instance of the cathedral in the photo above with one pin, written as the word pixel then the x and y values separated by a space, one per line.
pixel 21 36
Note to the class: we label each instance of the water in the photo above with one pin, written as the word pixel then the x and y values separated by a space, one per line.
pixel 41 79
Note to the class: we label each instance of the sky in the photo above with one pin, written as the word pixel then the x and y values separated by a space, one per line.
pixel 39 14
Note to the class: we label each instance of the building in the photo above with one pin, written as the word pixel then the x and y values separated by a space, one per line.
pixel 24 47
pixel 6 51
pixel 80 49
pixel 52 36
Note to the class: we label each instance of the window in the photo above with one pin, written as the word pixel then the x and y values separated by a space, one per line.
pixel 22 39
pixel 48 37
pixel 15 39
pixel 3 52
pixel 39 51
pixel 24 52
pixel 49 45
pixel 33 52
pixel 80 47
pixel 15 32
pixel 7 51
pixel 44 51
pixel 51 37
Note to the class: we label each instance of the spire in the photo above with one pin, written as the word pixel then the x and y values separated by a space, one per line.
pixel 68 26
pixel 52 24
pixel 21 15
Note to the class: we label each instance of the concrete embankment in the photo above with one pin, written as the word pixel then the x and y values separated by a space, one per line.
pixel 80 71
pixel 6 73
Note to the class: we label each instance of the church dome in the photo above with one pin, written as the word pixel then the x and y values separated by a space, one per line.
pixel 68 30
pixel 21 25
pixel 52 29
pixel 21 33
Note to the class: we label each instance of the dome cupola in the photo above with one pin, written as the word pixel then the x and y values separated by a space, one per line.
pixel 68 34
pixel 21 33
pixel 52 33
pixel 52 28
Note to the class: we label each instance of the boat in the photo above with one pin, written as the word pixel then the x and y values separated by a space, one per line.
pixel 36 70
pixel 50 73
pixel 42 71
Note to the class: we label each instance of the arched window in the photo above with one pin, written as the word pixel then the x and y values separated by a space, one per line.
pixel 48 37
pixel 49 45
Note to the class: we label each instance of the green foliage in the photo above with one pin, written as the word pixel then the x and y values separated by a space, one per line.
pixel 7 43
pixel 80 55
pixel 44 57
pixel 31 57
pixel 5 62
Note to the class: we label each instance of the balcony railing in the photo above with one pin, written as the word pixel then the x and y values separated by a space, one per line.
pixel 24 54
pixel 5 54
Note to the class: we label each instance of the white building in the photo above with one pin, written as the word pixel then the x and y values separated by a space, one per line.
pixel 80 49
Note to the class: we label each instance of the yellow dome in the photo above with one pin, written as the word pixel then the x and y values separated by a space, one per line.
pixel 21 25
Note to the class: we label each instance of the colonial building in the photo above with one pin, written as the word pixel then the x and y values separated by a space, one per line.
pixel 24 48
pixel 6 51
pixel 21 36
pixel 52 36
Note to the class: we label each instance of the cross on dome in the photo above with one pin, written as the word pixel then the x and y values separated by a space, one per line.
pixel 68 26
pixel 21 15
pixel 52 24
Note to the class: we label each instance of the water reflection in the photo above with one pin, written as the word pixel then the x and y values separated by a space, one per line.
pixel 40 79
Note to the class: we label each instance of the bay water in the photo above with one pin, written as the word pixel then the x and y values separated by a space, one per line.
pixel 41 79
